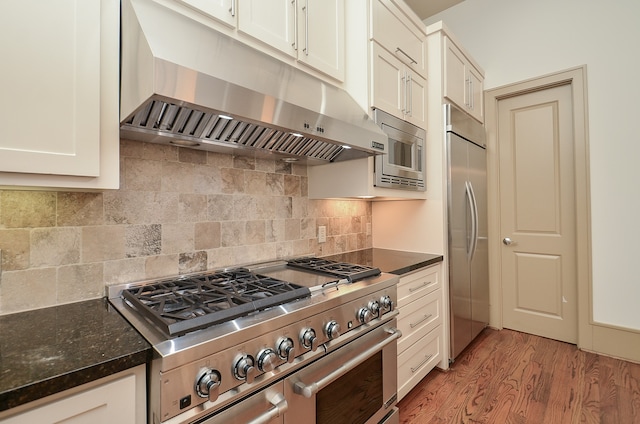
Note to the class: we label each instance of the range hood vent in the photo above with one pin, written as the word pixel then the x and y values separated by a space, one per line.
pixel 197 128
pixel 184 83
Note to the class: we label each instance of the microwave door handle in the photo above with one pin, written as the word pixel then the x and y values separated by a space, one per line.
pixel 310 390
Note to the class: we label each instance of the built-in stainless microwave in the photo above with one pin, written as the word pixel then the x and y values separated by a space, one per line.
pixel 403 167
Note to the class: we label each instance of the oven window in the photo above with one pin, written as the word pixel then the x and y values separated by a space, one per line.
pixel 354 397
pixel 400 153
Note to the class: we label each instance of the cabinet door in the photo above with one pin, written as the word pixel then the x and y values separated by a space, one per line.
pixel 50 113
pixel 455 80
pixel 270 21
pixel 321 35
pixel 113 402
pixel 387 82
pixel 221 10
pixel 417 99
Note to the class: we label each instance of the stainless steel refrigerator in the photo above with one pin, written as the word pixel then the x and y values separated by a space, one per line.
pixel 467 219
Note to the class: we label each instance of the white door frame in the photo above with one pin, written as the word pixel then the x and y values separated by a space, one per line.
pixel 577 78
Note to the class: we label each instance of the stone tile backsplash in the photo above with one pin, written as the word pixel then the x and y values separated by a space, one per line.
pixel 177 211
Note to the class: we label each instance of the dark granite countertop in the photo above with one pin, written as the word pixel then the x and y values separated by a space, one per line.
pixel 392 261
pixel 50 350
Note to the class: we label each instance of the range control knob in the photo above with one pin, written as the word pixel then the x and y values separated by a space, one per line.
pixel 364 315
pixel 386 303
pixel 244 368
pixel 267 360
pixel 208 383
pixel 374 307
pixel 332 330
pixel 308 339
pixel 286 349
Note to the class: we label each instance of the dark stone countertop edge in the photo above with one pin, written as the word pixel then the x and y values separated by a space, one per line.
pixel 85 329
pixel 396 262
pixel 41 389
pixel 414 267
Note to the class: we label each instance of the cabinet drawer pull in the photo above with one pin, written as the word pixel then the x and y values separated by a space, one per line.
pixel 424 361
pixel 423 319
pixel 398 49
pixel 424 284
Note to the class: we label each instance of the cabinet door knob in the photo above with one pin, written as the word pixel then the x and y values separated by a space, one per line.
pixel 507 241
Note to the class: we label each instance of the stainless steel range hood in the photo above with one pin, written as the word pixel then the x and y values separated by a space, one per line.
pixel 184 83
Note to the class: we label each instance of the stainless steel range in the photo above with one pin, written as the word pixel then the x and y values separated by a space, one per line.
pixel 308 340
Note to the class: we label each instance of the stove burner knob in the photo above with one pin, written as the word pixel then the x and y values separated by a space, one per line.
pixel 286 349
pixel 332 330
pixel 374 307
pixel 244 369
pixel 386 303
pixel 208 383
pixel 364 315
pixel 309 339
pixel 266 360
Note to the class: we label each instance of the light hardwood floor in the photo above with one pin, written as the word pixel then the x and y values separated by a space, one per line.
pixel 510 377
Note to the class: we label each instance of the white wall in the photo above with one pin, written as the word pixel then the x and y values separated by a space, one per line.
pixel 515 40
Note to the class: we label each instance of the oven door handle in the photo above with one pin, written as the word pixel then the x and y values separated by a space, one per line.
pixel 280 406
pixel 309 390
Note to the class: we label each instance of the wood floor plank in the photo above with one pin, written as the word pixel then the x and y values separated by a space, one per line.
pixel 510 377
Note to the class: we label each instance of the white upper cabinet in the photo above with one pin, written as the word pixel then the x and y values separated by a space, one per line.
pixel 223 11
pixel 396 88
pixel 59 85
pixel 463 82
pixel 393 30
pixel 311 31
pixel 398 62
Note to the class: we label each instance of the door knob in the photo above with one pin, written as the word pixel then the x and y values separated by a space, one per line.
pixel 507 241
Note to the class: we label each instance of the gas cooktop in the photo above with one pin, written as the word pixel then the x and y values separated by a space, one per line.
pixel 352 272
pixel 189 303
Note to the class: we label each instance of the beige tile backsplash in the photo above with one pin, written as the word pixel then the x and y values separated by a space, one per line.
pixel 177 211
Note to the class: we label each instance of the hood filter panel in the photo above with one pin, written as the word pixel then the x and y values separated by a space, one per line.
pixel 159 117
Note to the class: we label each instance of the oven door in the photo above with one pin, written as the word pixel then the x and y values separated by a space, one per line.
pixel 265 407
pixel 355 384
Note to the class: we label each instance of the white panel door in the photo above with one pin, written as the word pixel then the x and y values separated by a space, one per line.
pixel 114 402
pixel 50 85
pixel 270 21
pixel 387 82
pixel 537 197
pixel 321 35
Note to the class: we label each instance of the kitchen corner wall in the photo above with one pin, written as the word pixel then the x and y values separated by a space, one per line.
pixel 177 211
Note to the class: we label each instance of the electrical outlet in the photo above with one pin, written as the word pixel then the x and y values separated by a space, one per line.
pixel 368 226
pixel 322 234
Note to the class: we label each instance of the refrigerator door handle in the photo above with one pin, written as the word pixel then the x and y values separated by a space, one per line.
pixel 474 220
pixel 470 236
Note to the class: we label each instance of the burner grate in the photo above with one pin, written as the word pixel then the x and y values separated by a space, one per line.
pixel 178 306
pixel 351 272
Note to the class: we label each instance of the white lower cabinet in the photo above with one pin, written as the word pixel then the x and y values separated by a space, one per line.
pixel 118 399
pixel 420 348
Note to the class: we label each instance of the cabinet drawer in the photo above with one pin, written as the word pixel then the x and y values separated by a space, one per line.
pixel 416 362
pixel 418 284
pixel 398 35
pixel 418 318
